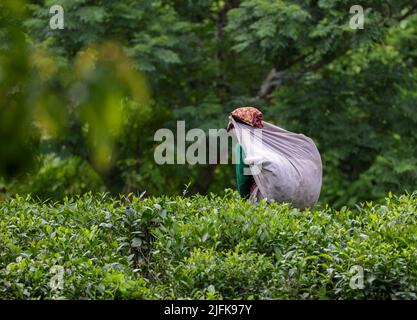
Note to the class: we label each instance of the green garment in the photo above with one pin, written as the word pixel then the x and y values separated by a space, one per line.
pixel 244 182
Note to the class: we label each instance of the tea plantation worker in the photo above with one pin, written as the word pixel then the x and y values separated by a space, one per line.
pixel 286 167
pixel 253 117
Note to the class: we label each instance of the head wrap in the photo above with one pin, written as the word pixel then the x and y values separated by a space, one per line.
pixel 248 115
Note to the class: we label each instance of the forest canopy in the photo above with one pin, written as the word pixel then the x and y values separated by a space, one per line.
pixel 79 106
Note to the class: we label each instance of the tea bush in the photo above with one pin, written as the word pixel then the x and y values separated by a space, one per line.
pixel 205 247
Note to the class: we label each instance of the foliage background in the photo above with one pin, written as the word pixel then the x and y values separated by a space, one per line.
pixel 72 123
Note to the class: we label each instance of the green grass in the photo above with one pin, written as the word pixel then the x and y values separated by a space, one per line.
pixel 96 247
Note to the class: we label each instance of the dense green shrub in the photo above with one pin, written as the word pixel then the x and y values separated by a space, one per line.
pixel 97 247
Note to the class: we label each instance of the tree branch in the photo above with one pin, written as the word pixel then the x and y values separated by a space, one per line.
pixel 408 13
pixel 220 23
pixel 276 77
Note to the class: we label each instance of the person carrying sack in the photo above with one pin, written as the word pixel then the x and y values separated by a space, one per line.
pixel 283 166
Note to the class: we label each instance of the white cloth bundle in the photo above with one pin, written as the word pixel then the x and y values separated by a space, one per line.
pixel 286 166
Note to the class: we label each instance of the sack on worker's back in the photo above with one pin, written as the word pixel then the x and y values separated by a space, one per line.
pixel 286 166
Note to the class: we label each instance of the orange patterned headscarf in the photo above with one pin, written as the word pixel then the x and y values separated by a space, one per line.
pixel 248 115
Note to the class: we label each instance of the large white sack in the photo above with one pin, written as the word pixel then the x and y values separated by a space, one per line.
pixel 286 166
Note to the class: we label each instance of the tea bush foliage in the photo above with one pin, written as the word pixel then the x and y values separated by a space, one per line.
pixel 204 247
